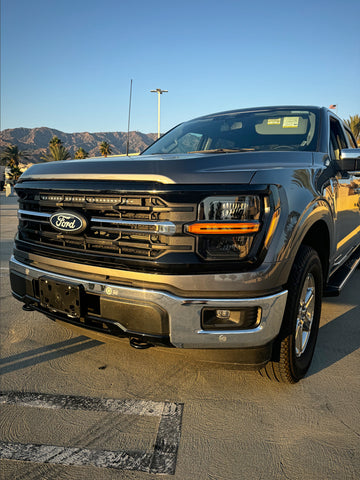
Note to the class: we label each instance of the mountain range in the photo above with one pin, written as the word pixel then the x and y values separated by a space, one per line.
pixel 35 141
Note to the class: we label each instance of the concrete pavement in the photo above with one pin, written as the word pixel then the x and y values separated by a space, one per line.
pixel 75 407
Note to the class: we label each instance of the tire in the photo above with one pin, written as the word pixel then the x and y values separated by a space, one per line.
pixel 294 348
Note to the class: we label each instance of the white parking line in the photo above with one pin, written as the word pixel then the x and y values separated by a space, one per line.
pixel 161 461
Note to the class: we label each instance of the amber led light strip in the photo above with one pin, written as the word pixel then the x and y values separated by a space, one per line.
pixel 212 228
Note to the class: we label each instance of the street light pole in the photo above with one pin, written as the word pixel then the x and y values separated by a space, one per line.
pixel 159 92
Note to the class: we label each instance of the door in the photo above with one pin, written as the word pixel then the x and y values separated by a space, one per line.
pixel 347 195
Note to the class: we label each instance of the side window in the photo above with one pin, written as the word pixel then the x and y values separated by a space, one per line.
pixel 337 138
pixel 350 138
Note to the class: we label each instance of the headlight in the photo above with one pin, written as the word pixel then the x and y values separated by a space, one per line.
pixel 227 226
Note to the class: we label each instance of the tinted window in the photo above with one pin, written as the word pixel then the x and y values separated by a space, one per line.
pixel 275 129
pixel 337 138
pixel 350 138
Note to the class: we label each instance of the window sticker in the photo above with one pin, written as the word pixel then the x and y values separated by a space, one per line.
pixel 274 121
pixel 291 122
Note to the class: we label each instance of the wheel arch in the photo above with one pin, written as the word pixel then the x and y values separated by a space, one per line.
pixel 318 237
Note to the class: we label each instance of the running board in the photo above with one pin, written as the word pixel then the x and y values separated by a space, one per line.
pixel 342 275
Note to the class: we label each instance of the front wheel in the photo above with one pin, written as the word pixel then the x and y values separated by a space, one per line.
pixel 294 348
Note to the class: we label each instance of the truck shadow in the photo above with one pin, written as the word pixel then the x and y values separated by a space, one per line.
pixel 337 339
pixel 46 353
pixel 6 249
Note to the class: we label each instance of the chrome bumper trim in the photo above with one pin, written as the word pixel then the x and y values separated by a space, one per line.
pixel 185 313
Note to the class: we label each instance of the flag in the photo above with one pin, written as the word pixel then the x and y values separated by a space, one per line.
pixel 332 106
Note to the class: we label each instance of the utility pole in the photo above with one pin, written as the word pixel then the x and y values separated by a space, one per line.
pixel 159 92
pixel 128 130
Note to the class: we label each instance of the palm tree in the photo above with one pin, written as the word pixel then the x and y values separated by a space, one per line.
pixel 354 124
pixel 14 173
pixel 81 153
pixel 55 141
pixel 11 155
pixel 105 149
pixel 57 152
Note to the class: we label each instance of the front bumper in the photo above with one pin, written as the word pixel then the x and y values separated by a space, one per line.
pixel 176 318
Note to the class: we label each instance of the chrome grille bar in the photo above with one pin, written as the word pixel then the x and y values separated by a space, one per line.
pixel 129 226
pixel 160 228
pixel 22 214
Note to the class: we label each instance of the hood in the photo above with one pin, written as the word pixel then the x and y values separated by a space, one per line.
pixel 196 168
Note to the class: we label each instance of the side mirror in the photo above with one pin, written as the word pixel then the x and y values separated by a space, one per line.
pixel 349 159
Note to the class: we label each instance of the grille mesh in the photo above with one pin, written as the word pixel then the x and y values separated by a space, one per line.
pixel 131 226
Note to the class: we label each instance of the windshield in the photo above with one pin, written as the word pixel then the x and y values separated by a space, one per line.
pixel 269 130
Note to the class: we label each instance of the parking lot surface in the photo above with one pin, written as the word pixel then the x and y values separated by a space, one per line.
pixel 75 406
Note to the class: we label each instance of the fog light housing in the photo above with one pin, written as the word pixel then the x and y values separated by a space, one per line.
pixel 245 318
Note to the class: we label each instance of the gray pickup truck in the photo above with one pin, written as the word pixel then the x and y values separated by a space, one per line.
pixel 223 234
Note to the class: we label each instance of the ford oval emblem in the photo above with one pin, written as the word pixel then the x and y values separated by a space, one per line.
pixel 68 222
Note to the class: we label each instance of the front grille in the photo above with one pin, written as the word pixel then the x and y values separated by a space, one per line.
pixel 134 226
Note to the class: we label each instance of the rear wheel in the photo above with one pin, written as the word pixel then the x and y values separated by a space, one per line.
pixel 294 348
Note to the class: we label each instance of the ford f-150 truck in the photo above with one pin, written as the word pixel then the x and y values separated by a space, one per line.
pixel 224 234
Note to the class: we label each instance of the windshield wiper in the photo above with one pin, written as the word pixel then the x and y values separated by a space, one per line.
pixel 224 150
pixel 215 150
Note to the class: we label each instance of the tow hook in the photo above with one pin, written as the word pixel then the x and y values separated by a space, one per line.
pixel 28 308
pixel 138 344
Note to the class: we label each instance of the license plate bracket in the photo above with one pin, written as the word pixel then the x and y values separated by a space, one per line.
pixel 60 297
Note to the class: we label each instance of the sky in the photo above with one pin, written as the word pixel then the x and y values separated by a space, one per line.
pixel 68 64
